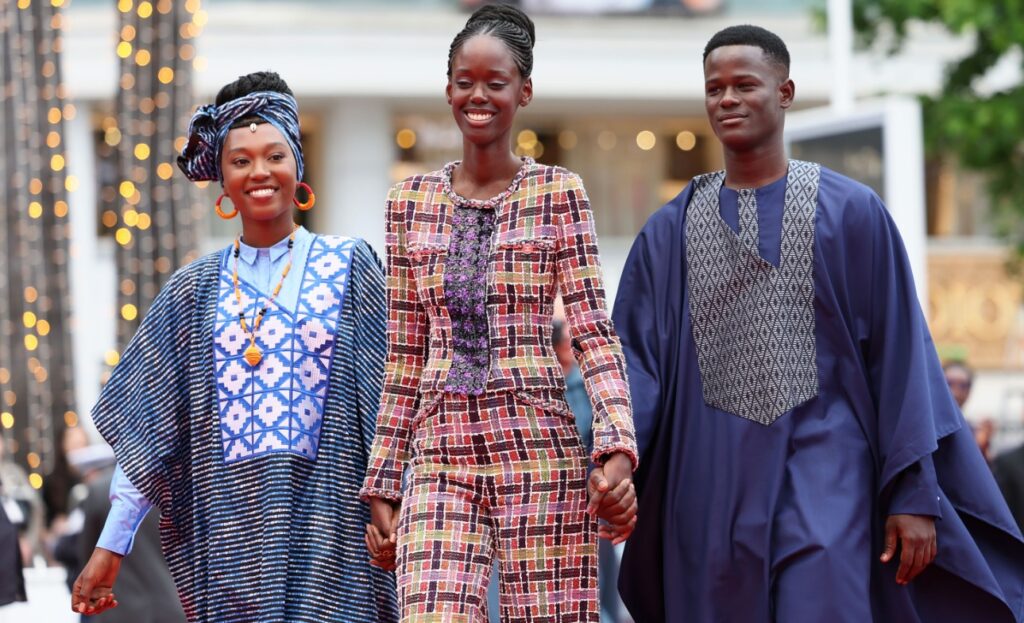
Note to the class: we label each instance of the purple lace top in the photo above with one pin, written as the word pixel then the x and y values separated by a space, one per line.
pixel 465 283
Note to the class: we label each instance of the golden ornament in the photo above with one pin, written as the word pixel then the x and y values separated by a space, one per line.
pixel 253 355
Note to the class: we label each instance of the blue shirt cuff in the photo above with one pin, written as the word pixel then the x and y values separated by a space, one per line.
pixel 128 508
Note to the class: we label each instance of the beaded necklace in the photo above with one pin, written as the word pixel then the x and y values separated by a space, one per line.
pixel 253 355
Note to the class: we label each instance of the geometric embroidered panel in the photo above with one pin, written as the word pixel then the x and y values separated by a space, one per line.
pixel 753 323
pixel 278 405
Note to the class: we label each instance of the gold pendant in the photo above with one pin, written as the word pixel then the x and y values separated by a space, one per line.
pixel 253 355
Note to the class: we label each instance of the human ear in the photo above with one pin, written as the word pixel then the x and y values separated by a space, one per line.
pixel 526 93
pixel 787 92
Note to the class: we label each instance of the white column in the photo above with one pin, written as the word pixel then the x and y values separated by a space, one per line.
pixel 840 45
pixel 92 268
pixel 357 152
pixel 904 183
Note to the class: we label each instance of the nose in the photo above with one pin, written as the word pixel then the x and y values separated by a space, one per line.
pixel 259 169
pixel 479 95
pixel 729 98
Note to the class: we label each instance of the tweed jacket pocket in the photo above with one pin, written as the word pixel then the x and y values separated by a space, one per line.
pixel 523 272
pixel 427 256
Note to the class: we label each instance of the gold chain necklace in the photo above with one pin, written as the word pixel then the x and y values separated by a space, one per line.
pixel 253 355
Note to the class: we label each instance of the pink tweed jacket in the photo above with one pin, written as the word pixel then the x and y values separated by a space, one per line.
pixel 543 241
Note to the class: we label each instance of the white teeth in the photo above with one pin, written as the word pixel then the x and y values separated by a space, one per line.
pixel 479 116
pixel 262 192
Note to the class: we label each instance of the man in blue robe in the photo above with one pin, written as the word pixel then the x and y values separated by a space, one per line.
pixel 802 458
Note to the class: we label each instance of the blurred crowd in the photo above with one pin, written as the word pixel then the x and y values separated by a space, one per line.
pixel 64 532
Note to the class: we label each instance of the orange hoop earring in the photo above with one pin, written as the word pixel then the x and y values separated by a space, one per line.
pixel 310 201
pixel 220 212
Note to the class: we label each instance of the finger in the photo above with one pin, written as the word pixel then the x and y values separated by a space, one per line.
pixel 598 482
pixel 616 501
pixel 618 492
pixel 104 604
pixel 76 594
pixel 918 563
pixel 84 593
pixel 625 533
pixel 595 499
pixel 616 533
pixel 371 545
pixel 605 502
pixel 625 516
pixel 890 544
pixel 393 526
pixel 907 553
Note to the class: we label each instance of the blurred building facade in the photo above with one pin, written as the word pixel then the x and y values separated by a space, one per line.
pixel 618 98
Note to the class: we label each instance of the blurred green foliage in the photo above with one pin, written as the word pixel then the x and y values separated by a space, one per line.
pixel 984 130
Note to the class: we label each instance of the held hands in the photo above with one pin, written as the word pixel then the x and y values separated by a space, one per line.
pixel 93 590
pixel 916 537
pixel 613 498
pixel 382 533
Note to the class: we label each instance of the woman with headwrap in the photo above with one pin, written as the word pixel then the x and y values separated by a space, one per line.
pixel 244 406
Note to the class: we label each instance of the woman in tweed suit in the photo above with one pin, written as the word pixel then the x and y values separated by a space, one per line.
pixel 473 394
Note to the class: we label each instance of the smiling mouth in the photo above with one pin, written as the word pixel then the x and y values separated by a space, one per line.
pixel 262 193
pixel 479 116
pixel 733 120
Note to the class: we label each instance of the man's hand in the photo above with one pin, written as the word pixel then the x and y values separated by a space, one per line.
pixel 613 498
pixel 93 590
pixel 382 533
pixel 915 534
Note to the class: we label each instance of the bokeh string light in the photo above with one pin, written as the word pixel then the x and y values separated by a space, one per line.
pixel 151 209
pixel 36 375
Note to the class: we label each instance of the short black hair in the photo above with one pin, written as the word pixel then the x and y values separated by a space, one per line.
pixel 505 22
pixel 953 364
pixel 558 332
pixel 251 83
pixel 771 44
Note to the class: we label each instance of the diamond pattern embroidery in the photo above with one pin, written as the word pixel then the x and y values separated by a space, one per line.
pixel 279 405
pixel 753 323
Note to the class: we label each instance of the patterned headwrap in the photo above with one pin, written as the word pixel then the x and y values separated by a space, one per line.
pixel 200 160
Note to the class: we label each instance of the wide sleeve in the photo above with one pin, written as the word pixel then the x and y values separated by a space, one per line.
pixel 143 410
pixel 635 317
pixel 594 341
pixel 370 307
pixel 407 331
pixel 916 490
pixel 910 397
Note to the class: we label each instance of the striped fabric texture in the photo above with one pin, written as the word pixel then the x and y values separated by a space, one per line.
pixel 543 242
pixel 499 475
pixel 275 537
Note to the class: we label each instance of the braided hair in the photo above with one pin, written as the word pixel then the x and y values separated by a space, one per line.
pixel 251 83
pixel 504 22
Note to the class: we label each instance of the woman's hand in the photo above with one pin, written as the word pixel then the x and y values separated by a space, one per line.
pixel 382 533
pixel 613 498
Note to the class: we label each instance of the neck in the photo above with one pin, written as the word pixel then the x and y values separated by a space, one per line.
pixel 262 234
pixel 755 167
pixel 486 165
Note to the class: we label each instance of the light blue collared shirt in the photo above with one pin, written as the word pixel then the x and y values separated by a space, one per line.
pixel 261 268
